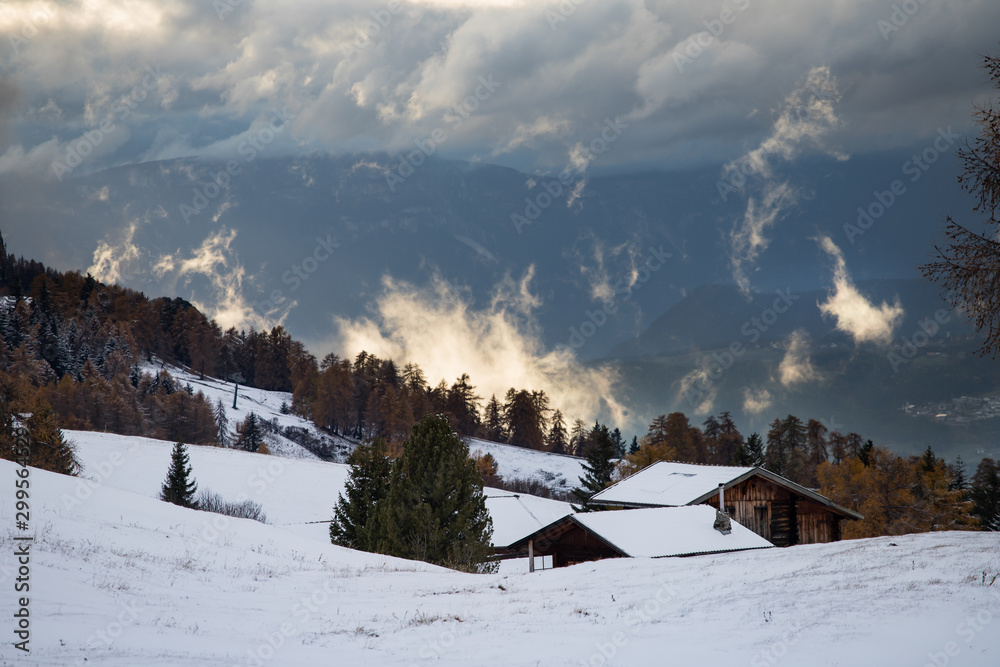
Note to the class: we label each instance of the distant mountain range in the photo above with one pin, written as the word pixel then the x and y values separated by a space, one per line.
pixel 456 218
pixel 324 231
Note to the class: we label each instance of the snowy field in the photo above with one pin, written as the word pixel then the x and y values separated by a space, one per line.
pixel 121 579
pixel 295 494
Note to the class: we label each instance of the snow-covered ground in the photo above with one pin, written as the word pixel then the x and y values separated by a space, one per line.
pixel 296 494
pixel 556 471
pixel 120 579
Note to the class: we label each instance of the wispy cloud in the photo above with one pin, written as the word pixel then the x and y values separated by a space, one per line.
pixel 805 120
pixel 854 314
pixel 216 262
pixel 796 366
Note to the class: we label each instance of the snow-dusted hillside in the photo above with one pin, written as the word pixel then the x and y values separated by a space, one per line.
pixel 267 406
pixel 556 471
pixel 295 493
pixel 120 579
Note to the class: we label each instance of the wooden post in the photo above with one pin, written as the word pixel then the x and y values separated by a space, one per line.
pixel 531 555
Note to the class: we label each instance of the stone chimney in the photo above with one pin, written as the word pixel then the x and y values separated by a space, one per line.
pixel 723 523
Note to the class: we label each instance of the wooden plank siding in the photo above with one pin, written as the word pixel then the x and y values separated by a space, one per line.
pixel 779 515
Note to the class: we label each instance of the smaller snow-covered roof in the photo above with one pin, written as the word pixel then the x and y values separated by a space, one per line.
pixel 517 515
pixel 668 531
pixel 667 483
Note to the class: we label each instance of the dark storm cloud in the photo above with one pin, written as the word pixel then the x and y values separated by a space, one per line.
pixel 697 81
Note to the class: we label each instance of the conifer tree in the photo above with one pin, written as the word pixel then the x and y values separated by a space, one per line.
pixel 436 509
pixel 619 442
pixel 750 454
pixel 356 523
pixel 493 422
pixel 599 468
pixel 634 447
pixel 179 487
pixel 985 494
pixel 221 424
pixel 250 435
pixel 556 439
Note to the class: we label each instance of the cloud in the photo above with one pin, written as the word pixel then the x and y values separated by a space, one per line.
pixel 216 264
pixel 853 313
pixel 747 239
pixel 796 367
pixel 806 118
pixel 756 400
pixel 699 389
pixel 114 263
pixel 399 83
pixel 497 344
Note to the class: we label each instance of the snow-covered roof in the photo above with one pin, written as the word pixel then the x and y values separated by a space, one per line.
pixel 519 515
pixel 668 531
pixel 667 483
pixel 672 484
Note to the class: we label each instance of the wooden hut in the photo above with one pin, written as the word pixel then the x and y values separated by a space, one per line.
pixel 775 508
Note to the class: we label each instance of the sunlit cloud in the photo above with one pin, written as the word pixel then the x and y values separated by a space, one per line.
pixel 498 344
pixel 853 313
pixel 796 367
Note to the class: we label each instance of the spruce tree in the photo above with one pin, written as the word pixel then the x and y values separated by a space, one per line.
pixel 250 434
pixel 221 424
pixel 750 454
pixel 634 447
pixel 436 510
pixel 985 494
pixel 599 467
pixel 556 439
pixel 179 487
pixel 356 522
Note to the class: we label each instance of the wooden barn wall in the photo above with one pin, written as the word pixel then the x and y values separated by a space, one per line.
pixel 574 545
pixel 778 515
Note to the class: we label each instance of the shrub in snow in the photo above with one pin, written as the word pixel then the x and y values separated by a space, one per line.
pixel 246 509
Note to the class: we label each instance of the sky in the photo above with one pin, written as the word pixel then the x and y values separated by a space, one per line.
pixel 528 84
pixel 577 87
